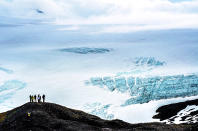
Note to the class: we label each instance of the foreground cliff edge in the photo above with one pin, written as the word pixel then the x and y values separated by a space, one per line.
pixel 49 116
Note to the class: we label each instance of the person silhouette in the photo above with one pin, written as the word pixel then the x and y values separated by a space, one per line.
pixel 39 98
pixel 34 98
pixel 43 97
pixel 30 98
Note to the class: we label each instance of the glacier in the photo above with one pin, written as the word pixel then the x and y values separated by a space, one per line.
pixel 9 88
pixel 85 50
pixel 8 71
pixel 145 89
pixel 141 65
pixel 57 62
pixel 98 109
pixel 148 61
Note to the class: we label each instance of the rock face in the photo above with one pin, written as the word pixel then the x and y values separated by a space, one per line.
pixel 48 116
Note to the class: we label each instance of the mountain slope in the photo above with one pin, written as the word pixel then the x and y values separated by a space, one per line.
pixel 48 116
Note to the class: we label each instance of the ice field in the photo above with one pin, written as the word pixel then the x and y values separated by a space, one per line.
pixel 112 75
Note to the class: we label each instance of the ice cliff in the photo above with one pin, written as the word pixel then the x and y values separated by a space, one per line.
pixel 145 89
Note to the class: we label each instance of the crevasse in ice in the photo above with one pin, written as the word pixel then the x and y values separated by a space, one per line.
pixel 143 90
pixel 148 61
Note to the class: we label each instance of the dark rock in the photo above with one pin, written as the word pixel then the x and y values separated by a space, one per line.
pixel 53 117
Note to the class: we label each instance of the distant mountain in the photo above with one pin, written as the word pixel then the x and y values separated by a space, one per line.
pixel 48 116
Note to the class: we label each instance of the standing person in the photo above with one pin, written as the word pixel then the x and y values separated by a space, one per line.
pixel 39 98
pixel 30 98
pixel 43 97
pixel 34 98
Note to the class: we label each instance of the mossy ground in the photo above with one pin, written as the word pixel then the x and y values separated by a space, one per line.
pixel 2 116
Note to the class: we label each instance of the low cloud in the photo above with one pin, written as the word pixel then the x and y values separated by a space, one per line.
pixel 130 14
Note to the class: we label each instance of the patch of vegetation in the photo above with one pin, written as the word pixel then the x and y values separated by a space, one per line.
pixel 2 116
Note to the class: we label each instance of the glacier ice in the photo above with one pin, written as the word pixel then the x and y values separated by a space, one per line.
pixel 120 84
pixel 6 70
pixel 148 61
pixel 141 65
pixel 97 81
pixel 8 88
pixel 85 50
pixel 99 110
pixel 109 82
pixel 145 89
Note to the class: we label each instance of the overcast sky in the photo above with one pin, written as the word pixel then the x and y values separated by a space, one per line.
pixel 124 14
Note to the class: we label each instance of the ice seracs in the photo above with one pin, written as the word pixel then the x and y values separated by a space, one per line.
pixel 143 90
pixel 148 61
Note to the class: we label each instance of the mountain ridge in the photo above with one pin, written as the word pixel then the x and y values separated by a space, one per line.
pixel 49 116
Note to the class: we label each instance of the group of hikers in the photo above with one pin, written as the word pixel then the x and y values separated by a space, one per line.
pixel 34 98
